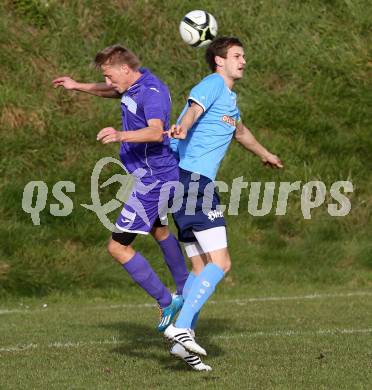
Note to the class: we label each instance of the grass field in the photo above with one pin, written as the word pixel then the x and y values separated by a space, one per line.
pixel 301 340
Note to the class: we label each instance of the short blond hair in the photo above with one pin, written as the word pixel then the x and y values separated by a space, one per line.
pixel 116 55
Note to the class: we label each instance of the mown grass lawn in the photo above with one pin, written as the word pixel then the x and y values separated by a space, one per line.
pixel 286 341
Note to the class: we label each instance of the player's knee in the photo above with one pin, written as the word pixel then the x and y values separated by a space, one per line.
pixel 225 265
pixel 160 233
pixel 114 248
pixel 222 259
pixel 120 252
pixel 223 262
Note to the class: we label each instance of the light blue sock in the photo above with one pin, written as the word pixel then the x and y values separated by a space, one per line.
pixel 201 290
pixel 189 281
pixel 195 320
pixel 186 289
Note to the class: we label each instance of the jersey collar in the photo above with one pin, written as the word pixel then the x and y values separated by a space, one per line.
pixel 145 73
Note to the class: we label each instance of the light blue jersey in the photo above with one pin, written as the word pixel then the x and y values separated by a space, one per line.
pixel 207 141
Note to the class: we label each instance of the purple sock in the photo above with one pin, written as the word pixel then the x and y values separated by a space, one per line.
pixel 142 273
pixel 175 261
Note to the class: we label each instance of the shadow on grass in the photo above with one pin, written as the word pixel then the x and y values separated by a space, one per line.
pixel 144 342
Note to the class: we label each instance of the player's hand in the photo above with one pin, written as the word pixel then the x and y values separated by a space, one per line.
pixel 272 161
pixel 65 82
pixel 176 131
pixel 109 135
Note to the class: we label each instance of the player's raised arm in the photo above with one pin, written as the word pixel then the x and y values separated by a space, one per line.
pixel 192 114
pixel 97 89
pixel 249 142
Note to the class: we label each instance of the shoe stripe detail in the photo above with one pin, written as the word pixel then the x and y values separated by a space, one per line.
pixel 184 340
pixel 193 359
pixel 182 336
pixel 164 321
pixel 185 336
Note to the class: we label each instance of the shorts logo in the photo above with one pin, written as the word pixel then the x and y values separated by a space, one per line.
pixel 212 215
pixel 122 220
pixel 227 119
pixel 128 216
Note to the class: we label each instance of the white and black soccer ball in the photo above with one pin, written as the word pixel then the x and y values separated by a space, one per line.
pixel 198 28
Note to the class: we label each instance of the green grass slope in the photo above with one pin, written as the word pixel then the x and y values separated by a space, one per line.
pixel 306 96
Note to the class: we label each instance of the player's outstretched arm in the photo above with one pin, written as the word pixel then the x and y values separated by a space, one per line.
pixel 180 130
pixel 249 142
pixel 97 89
pixel 152 133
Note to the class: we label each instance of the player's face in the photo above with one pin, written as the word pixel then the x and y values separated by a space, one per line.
pixel 116 76
pixel 234 63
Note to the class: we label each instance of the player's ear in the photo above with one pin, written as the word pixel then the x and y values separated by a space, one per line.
pixel 125 68
pixel 218 60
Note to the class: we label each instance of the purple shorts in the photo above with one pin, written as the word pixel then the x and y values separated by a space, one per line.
pixel 146 203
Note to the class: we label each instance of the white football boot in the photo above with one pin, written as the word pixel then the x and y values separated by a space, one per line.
pixel 189 358
pixel 184 337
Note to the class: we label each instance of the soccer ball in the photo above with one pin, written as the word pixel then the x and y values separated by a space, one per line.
pixel 198 28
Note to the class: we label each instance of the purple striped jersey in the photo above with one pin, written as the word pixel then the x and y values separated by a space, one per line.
pixel 147 99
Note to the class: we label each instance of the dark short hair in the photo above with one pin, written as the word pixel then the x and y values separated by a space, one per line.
pixel 116 55
pixel 219 47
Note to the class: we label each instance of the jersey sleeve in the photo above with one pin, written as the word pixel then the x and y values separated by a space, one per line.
pixel 174 143
pixel 207 91
pixel 238 119
pixel 153 104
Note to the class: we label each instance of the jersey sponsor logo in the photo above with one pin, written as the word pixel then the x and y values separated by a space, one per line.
pixel 227 119
pixel 213 214
pixel 130 104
